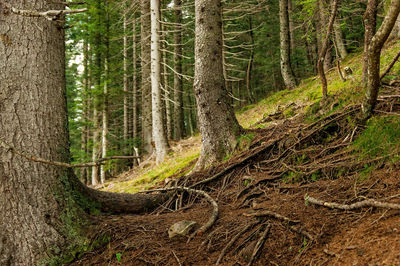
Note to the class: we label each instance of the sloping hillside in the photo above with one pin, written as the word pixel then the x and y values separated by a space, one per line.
pixel 275 194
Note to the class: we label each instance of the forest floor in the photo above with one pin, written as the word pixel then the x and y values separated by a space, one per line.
pixel 268 194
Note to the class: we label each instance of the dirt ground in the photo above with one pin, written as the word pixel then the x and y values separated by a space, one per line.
pixel 261 180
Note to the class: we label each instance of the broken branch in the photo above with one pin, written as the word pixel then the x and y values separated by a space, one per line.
pixel 50 14
pixel 357 205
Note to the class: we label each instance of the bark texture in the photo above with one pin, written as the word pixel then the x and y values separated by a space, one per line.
pixel 369 32
pixel 159 134
pixel 146 83
pixel 178 82
pixel 374 56
pixel 286 68
pixel 322 22
pixel 218 125
pixel 339 39
pixel 32 118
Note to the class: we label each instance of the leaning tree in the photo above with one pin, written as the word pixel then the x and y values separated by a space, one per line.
pixel 219 127
pixel 43 206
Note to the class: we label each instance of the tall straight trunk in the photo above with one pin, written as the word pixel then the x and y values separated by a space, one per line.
pixel 159 134
pixel 146 84
pixel 219 127
pixel 104 131
pixel 85 114
pixel 250 97
pixel 374 55
pixel 369 32
pixel 134 83
pixel 339 39
pixel 291 26
pixel 96 143
pixel 167 94
pixel 178 82
pixel 286 68
pixel 125 82
pixel 324 49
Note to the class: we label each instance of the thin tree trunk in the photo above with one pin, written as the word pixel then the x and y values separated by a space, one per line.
pixel 167 94
pixel 369 32
pixel 125 82
pixel 250 63
pixel 339 39
pixel 159 134
pixel 134 83
pixel 374 55
pixel 291 27
pixel 85 114
pixel 104 132
pixel 218 125
pixel 178 82
pixel 286 68
pixel 146 83
pixel 322 22
pixel 324 50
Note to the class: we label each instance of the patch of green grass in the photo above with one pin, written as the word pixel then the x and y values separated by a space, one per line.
pixel 381 138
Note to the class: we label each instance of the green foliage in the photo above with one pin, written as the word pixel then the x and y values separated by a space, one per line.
pixel 381 138
pixel 118 256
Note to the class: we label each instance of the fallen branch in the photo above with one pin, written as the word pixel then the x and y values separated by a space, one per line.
pixel 33 158
pixel 272 214
pixel 233 240
pixel 214 204
pixel 50 14
pixel 357 205
pixel 390 65
pixel 259 245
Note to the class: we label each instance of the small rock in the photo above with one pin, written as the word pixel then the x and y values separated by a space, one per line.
pixel 181 228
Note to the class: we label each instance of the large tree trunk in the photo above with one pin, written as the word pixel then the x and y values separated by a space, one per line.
pixel 374 56
pixel 286 68
pixel 159 134
pixel 33 200
pixel 178 82
pixel 370 29
pixel 146 84
pixel 218 125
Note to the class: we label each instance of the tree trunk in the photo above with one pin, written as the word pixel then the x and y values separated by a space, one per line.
pixel 178 82
pixel 339 39
pixel 250 96
pixel 291 26
pixel 104 131
pixel 322 22
pixel 85 114
pixel 218 125
pixel 125 83
pixel 374 55
pixel 286 68
pixel 370 29
pixel 167 94
pixel 324 49
pixel 146 84
pixel 34 201
pixel 134 83
pixel 159 134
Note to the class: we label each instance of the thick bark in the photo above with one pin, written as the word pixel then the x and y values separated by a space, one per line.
pixel 286 68
pixel 159 134
pixel 146 84
pixel 32 118
pixel 178 82
pixel 374 55
pixel 324 50
pixel 369 32
pixel 339 39
pixel 219 127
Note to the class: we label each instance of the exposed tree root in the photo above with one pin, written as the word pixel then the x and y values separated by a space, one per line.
pixel 233 240
pixel 357 205
pixel 214 204
pixel 259 245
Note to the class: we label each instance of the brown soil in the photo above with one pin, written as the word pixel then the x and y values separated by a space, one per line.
pixel 367 236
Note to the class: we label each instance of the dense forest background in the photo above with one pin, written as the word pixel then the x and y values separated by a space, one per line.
pixel 107 70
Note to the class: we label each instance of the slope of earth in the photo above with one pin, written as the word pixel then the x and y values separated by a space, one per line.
pixel 300 151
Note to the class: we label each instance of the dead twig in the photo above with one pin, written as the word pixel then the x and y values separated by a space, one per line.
pixel 259 245
pixel 272 214
pixel 233 240
pixel 357 205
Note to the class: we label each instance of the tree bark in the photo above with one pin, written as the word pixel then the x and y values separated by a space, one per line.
pixel 104 130
pixel 146 84
pixel 178 82
pixel 322 22
pixel 374 55
pixel 219 127
pixel 286 68
pixel 369 32
pixel 324 50
pixel 125 83
pixel 339 39
pixel 250 96
pixel 159 134
pixel 135 97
